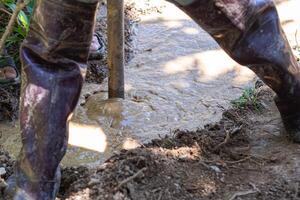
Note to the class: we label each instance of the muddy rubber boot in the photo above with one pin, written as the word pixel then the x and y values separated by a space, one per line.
pixel 250 32
pixel 54 57
pixel 290 114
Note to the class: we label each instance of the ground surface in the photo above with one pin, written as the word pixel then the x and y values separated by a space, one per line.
pixel 178 79
pixel 244 156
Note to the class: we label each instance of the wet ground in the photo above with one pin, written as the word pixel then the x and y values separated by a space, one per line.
pixel 245 156
pixel 178 79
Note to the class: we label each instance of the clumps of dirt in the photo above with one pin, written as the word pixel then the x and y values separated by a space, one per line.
pixel 6 168
pixel 70 175
pixel 9 102
pixel 243 156
pixel 181 166
pixel 145 7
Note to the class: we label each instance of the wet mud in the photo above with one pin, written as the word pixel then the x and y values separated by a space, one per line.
pixel 245 155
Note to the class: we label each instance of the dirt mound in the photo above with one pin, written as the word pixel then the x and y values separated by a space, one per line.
pixel 243 156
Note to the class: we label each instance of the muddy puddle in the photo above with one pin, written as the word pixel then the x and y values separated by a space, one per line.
pixel 99 128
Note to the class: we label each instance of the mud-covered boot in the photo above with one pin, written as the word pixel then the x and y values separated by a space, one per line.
pixel 13 191
pixel 54 57
pixel 290 114
pixel 250 32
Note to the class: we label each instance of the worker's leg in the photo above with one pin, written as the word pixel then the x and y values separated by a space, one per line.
pixel 54 57
pixel 250 32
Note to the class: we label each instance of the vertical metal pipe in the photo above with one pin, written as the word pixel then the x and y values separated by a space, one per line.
pixel 116 48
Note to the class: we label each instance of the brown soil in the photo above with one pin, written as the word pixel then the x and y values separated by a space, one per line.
pixel 9 102
pixel 243 156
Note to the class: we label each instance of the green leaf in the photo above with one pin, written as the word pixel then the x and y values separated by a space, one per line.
pixel 11 5
pixel 6 1
pixel 20 30
pixel 30 7
pixel 22 17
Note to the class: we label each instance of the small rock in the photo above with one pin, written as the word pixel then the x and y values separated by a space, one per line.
pixel 216 169
pixel 93 182
pixel 2 171
pixel 118 196
pixel 3 184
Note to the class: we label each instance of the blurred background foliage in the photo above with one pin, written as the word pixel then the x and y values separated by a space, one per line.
pixel 21 28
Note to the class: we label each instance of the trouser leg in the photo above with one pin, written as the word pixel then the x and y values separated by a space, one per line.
pixel 250 32
pixel 54 57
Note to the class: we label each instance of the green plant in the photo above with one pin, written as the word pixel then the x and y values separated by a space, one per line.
pixel 21 28
pixel 249 99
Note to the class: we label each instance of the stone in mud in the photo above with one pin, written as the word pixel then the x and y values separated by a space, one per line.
pixel 2 171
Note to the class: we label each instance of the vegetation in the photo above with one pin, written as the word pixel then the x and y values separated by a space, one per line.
pixel 249 99
pixel 13 33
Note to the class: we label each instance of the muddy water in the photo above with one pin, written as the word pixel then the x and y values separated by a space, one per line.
pixel 179 79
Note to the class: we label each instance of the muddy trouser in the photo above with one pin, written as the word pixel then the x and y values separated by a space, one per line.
pixel 54 59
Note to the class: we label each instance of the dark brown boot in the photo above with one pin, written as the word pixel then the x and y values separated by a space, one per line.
pixel 290 114
pixel 54 57
pixel 250 32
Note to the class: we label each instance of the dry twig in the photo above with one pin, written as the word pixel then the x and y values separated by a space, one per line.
pixel 238 161
pixel 228 135
pixel 5 11
pixel 131 177
pixel 296 191
pixel 226 140
pixel 239 194
pixel 160 195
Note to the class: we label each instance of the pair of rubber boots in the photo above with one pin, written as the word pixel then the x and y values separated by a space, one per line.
pixel 54 57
